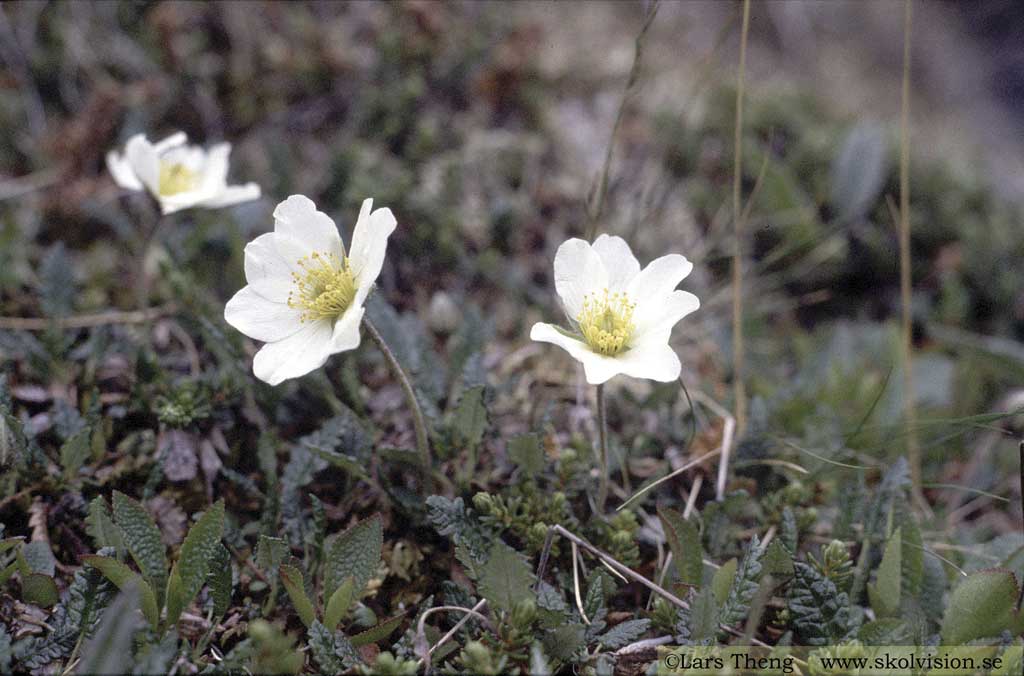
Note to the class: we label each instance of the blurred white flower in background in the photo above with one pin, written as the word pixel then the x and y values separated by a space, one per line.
pixel 305 296
pixel 621 316
pixel 178 175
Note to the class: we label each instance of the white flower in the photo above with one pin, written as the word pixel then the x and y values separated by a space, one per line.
pixel 621 316
pixel 178 175
pixel 305 295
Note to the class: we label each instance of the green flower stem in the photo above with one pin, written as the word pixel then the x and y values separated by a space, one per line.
pixel 602 436
pixel 422 444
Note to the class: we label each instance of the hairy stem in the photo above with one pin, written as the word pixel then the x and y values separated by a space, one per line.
pixel 602 439
pixel 422 444
pixel 739 387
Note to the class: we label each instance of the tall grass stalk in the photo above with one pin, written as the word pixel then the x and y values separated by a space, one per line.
pixel 596 200
pixel 739 386
pixel 909 409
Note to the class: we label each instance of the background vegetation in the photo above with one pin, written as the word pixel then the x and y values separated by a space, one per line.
pixel 282 529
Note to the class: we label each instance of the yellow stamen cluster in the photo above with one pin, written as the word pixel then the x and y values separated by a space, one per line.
pixel 606 322
pixel 325 287
pixel 176 178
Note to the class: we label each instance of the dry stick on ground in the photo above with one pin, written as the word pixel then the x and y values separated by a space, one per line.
pixel 728 431
pixel 626 571
pixel 468 613
pixel 87 321
pixel 595 205
pixel 909 410
pixel 739 387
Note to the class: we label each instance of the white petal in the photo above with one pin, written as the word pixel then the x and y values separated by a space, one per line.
pixel 659 278
pixel 121 171
pixel 259 318
pixel 179 201
pixel 369 244
pixel 144 161
pixel 270 260
pixel 578 271
pixel 215 167
pixel 173 141
pixel 662 313
pixel 346 329
pixel 233 194
pixel 597 367
pixel 618 259
pixel 654 360
pixel 305 350
pixel 298 218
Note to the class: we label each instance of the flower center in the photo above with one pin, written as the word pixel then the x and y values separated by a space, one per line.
pixel 176 178
pixel 606 322
pixel 324 288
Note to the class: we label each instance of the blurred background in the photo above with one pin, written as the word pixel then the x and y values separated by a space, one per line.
pixel 485 125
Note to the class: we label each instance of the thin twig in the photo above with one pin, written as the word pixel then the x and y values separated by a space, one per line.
pixel 472 612
pixel 636 577
pixel 654 484
pixel 576 583
pixel 422 443
pixel 691 499
pixel 87 321
pixel 625 570
pixel 739 386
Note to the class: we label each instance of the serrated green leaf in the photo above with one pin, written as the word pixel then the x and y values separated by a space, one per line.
pixel 885 592
pixel 722 580
pixel 356 554
pixel 142 538
pixel 270 553
pixel 526 453
pixel 38 558
pixel 332 651
pixel 374 634
pixel 887 631
pixel 339 603
pixel 193 564
pixel 819 610
pixel 220 581
pixel 101 528
pixel 684 541
pixel 777 560
pixel 981 606
pixel 623 633
pixel 39 589
pixel 124 577
pixel 702 621
pixel 506 578
pixel 109 651
pixel 744 586
pixel 291 578
pixel 469 419
pixel 74 452
pixel 561 643
pixel 912 560
pixel 600 587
